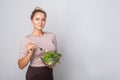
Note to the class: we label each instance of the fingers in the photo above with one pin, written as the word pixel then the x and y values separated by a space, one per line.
pixel 31 47
pixel 32 44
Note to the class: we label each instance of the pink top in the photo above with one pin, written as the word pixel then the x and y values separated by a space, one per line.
pixel 47 41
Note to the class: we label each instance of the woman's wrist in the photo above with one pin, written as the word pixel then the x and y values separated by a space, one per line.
pixel 29 53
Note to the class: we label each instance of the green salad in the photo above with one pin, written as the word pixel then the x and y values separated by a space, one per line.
pixel 51 58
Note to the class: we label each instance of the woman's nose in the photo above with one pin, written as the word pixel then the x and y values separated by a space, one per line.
pixel 40 22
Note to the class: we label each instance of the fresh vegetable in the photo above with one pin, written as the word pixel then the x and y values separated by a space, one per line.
pixel 51 58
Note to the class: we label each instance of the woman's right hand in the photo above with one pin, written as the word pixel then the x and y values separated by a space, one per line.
pixel 24 61
pixel 31 47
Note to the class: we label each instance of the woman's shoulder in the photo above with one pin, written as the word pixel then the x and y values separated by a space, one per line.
pixel 49 33
pixel 25 38
pixel 28 36
pixel 46 32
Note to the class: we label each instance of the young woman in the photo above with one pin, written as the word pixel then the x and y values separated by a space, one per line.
pixel 33 46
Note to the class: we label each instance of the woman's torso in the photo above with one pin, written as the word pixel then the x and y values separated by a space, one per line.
pixel 47 41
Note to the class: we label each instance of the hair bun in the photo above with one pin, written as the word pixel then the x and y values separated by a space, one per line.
pixel 38 8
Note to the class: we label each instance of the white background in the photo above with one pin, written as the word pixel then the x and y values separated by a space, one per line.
pixel 87 31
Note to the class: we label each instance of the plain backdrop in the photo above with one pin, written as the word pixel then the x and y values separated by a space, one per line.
pixel 87 32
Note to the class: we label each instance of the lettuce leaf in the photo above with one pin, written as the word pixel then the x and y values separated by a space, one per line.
pixel 51 58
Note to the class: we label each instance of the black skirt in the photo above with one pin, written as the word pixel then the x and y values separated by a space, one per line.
pixel 39 73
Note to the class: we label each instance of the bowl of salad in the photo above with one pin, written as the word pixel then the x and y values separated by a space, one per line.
pixel 51 58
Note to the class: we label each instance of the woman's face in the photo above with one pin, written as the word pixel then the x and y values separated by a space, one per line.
pixel 39 20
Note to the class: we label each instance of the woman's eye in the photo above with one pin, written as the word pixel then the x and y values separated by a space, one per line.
pixel 37 19
pixel 43 19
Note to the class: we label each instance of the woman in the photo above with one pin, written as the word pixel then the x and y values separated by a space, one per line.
pixel 34 45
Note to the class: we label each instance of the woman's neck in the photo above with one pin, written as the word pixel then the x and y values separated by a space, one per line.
pixel 37 33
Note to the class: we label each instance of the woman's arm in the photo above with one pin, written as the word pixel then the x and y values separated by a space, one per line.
pixel 25 60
